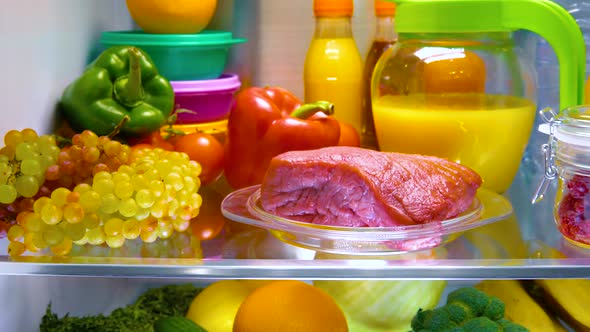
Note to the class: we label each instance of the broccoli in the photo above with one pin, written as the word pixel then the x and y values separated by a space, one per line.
pixel 509 326
pixel 467 310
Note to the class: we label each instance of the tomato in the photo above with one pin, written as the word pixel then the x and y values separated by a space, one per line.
pixel 349 136
pixel 204 149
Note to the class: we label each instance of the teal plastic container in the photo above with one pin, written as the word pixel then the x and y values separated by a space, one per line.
pixel 180 57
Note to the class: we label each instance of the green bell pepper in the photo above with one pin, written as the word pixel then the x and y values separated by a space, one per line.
pixel 121 83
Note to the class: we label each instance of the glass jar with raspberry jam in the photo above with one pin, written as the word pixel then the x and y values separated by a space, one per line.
pixel 567 158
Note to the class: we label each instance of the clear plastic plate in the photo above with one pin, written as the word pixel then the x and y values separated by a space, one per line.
pixel 244 206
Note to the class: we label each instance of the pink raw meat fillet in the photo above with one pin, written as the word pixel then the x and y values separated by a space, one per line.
pixel 354 187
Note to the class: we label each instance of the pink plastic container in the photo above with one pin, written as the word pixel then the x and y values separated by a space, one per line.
pixel 210 100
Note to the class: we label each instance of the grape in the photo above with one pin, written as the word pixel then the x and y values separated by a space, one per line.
pixel 82 241
pixel 100 191
pixel 159 209
pixel 157 187
pixel 91 221
pixel 103 186
pixel 29 135
pixel 139 182
pixel 60 196
pixel 116 241
pixel 31 167
pixel 29 243
pixel 110 203
pixel 15 232
pixel 149 224
pixel 63 248
pixel 128 207
pixel 16 248
pixel 51 214
pixel 73 213
pixel 40 203
pixel 165 229
pixel 25 151
pixel 88 138
pixel 180 225
pixel 75 232
pixel 144 198
pixel 26 185
pixel 90 201
pixel 82 188
pixel 103 175
pixel 7 194
pixel 113 227
pixel 175 180
pixel 148 236
pixel 39 241
pixel 131 229
pixel 123 189
pixel 32 222
pixel 12 138
pixel 53 235
pixel 95 236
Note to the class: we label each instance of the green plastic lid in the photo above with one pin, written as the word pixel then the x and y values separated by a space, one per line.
pixel 543 17
pixel 140 38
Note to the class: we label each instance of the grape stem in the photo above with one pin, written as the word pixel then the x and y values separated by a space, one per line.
pixel 119 126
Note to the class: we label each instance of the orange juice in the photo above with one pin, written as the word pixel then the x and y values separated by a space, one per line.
pixel 487 133
pixel 333 72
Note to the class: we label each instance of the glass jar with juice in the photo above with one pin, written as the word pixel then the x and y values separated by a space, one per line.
pixel 333 65
pixel 455 86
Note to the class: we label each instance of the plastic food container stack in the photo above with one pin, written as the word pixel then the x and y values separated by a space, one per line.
pixel 195 66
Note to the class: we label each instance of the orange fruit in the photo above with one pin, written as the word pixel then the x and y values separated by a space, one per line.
pixel 289 306
pixel 166 16
pixel 454 71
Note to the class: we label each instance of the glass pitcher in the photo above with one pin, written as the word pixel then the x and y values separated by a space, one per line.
pixel 455 86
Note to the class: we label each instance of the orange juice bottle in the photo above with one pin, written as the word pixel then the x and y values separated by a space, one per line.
pixel 385 37
pixel 333 66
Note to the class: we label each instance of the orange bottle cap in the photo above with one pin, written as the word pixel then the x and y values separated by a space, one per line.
pixel 333 7
pixel 384 8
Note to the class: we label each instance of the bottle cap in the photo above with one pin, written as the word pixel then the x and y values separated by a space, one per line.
pixel 333 7
pixel 384 8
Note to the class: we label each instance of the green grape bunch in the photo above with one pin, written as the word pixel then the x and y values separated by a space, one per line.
pixel 24 160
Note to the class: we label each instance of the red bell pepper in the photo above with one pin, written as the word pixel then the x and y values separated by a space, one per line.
pixel 265 122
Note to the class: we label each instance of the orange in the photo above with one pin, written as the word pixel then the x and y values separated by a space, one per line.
pixel 289 306
pixel 177 16
pixel 454 71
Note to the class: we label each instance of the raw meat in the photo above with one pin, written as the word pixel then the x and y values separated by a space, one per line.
pixel 354 187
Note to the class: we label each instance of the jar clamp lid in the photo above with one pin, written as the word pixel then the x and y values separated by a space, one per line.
pixel 572 127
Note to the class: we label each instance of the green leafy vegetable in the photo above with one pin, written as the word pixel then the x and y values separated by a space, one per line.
pixel 467 310
pixel 156 303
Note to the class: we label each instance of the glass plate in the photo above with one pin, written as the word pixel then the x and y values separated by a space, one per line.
pixel 244 206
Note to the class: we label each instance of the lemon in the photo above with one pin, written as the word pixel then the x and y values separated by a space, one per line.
pixel 216 306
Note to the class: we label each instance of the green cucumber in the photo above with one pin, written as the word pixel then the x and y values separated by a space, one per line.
pixel 177 324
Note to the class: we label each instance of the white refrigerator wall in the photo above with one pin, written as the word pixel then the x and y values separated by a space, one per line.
pixel 45 44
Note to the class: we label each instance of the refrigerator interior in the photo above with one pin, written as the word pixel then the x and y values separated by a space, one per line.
pixel 47 43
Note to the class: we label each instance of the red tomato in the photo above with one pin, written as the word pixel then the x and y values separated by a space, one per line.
pixel 349 136
pixel 204 149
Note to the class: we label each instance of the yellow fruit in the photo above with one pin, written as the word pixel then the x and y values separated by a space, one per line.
pixel 166 16
pixel 520 306
pixel 216 306
pixel 289 306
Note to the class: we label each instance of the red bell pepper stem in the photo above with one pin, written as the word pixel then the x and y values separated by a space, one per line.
pixel 128 89
pixel 307 110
